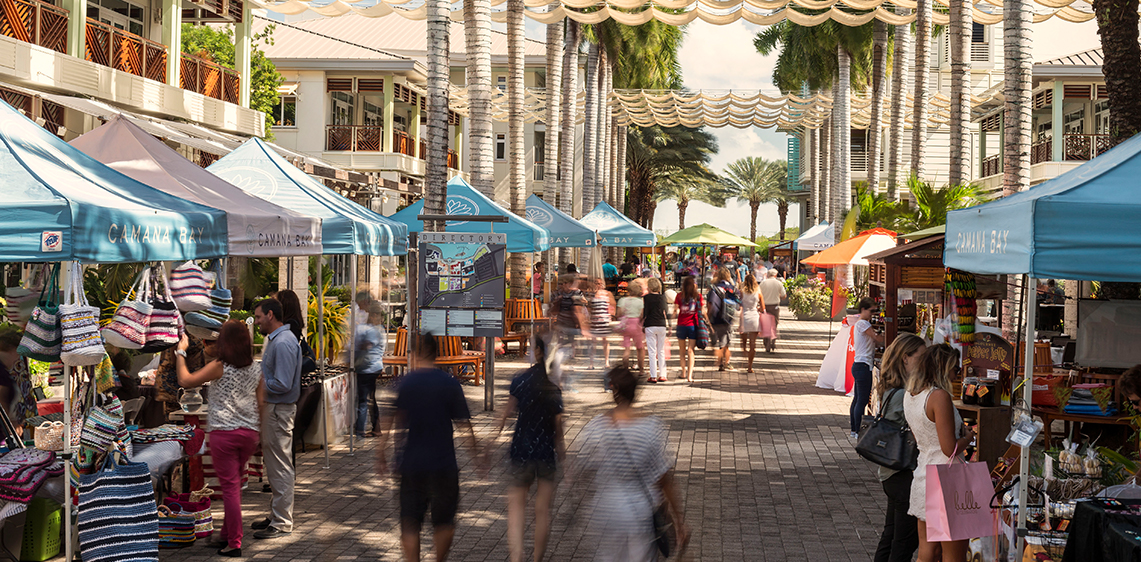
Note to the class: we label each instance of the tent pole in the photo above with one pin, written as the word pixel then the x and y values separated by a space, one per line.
pixel 69 547
pixel 323 353
pixel 353 357
pixel 1027 397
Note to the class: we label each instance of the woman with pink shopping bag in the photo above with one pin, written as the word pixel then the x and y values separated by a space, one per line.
pixel 936 426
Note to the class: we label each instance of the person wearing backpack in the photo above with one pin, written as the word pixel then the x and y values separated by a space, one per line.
pixel 724 308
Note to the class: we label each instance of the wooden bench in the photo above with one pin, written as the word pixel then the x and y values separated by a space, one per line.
pixel 452 357
pixel 518 316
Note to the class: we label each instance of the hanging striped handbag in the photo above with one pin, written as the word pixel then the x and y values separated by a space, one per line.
pixel 165 327
pixel 102 424
pixel 43 339
pixel 220 301
pixel 189 288
pixel 19 302
pixel 79 325
pixel 118 518
pixel 128 327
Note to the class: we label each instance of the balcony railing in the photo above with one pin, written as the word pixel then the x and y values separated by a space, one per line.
pixel 118 49
pixel 209 78
pixel 354 138
pixel 992 165
pixel 1041 151
pixel 32 21
pixel 402 143
pixel 453 159
pixel 423 149
pixel 540 171
pixel 1085 147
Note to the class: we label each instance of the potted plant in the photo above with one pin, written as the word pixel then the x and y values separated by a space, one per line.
pixel 812 301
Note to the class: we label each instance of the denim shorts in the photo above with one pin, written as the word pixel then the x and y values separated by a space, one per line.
pixel 687 332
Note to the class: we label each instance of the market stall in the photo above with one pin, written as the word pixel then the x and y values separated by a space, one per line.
pixel 702 235
pixel 615 229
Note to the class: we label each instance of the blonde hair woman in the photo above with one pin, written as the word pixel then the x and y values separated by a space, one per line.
pixel 752 304
pixel 937 427
pixel 901 360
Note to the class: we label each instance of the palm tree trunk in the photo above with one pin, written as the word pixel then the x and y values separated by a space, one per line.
pixel 844 127
pixel 567 124
pixel 901 58
pixel 922 90
pixel 837 139
pixel 517 165
pixel 551 121
pixel 782 215
pixel 682 204
pixel 826 170
pixel 590 130
pixel 436 172
pixel 754 206
pixel 620 184
pixel 815 148
pixel 1017 72
pixel 879 92
pixel 477 35
pixel 960 35
pixel 1117 25
pixel 603 125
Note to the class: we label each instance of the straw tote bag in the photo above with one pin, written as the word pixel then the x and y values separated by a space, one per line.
pixel 49 436
pixel 20 301
pixel 128 327
pixel 165 327
pixel 189 288
pixel 43 339
pixel 79 326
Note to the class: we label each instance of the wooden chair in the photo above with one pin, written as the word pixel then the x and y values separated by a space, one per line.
pixel 1043 363
pixel 519 315
pixel 398 359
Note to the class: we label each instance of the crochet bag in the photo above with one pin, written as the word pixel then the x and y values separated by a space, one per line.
pixel 79 326
pixel 175 528
pixel 20 301
pixel 102 425
pixel 189 288
pixel 199 508
pixel 43 339
pixel 128 327
pixel 118 517
pixel 165 327
pixel 220 301
pixel 49 436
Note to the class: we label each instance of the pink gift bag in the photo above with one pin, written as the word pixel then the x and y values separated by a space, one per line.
pixel 768 326
pixel 958 501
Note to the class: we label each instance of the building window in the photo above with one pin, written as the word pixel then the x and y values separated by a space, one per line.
pixel 344 108
pixel 126 16
pixel 978 33
pixel 501 146
pixel 501 82
pixel 285 112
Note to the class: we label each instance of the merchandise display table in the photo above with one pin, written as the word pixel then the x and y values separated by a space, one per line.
pixel 1101 532
pixel 994 425
pixel 1049 414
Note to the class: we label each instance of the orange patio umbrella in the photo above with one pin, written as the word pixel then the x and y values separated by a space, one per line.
pixel 854 251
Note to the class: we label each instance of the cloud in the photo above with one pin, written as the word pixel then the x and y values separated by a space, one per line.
pixel 722 57
pixel 733 217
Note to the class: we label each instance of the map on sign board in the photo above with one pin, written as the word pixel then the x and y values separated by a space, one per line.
pixel 462 270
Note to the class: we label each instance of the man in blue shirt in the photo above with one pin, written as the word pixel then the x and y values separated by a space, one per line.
pixel 428 400
pixel 281 369
pixel 609 271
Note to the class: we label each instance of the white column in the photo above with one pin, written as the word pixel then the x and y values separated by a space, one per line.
pixel 77 28
pixel 243 51
pixel 172 38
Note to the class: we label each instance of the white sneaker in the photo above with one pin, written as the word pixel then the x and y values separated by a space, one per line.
pixel 854 436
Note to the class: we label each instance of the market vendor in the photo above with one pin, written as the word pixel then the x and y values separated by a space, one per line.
pixel 11 365
pixel 1130 386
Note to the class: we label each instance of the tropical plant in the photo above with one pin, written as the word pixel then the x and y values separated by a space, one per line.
pixel 657 154
pixel 932 204
pixel 1117 25
pixel 757 181
pixel 683 189
pixel 877 210
pixel 336 327
pixel 258 276
pixel 218 44
pixel 811 299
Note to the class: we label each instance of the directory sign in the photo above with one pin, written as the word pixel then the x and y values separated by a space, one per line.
pixel 462 283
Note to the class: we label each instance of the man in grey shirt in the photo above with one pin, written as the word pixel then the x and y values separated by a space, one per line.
pixel 281 369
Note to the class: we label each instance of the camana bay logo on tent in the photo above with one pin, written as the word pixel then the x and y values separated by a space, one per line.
pixel 460 205
pixel 603 220
pixel 252 180
pixel 539 216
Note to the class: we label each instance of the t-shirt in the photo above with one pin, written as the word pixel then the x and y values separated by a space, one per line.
pixel 430 399
pixel 865 346
pixel 631 307
pixel 535 428
pixel 537 283
pixel 688 311
pixel 567 303
pixel 609 271
pixel 370 349
pixel 772 290
pixel 654 310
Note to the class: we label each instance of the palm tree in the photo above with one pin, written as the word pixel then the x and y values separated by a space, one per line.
pixel 569 98
pixel 922 90
pixel 683 188
pixel 1117 26
pixel 477 35
pixel 757 181
pixel 517 166
pixel 901 58
pixel 590 130
pixel 1018 72
pixel 960 36
pixel 880 48
pixel 436 172
pixel 657 154
pixel 932 205
pixel 555 33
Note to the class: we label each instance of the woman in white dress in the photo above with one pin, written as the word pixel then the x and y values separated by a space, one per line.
pixel 752 305
pixel 937 428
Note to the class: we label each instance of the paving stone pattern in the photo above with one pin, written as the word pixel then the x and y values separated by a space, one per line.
pixel 763 464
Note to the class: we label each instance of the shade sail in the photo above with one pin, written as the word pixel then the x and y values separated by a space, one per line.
pixel 855 250
pixel 565 231
pixel 255 226
pixel 1079 225
pixel 60 204
pixel 819 237
pixel 522 234
pixel 346 227
pixel 617 229
pixel 704 234
pixel 925 233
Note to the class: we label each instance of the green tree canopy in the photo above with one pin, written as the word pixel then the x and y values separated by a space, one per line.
pixel 217 45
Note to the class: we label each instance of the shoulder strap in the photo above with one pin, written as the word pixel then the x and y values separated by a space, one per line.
pixel 887 400
pixel 630 455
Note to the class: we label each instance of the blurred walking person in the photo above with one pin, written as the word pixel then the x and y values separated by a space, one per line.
pixel 428 402
pixel 751 306
pixel 630 323
pixel 654 326
pixel 601 310
pixel 537 449
pixel 626 452
pixel 371 343
pixel 772 291
pixel 688 309
pixel 571 319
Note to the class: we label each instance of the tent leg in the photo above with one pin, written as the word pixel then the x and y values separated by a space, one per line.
pixel 1027 397
pixel 69 548
pixel 353 358
pixel 324 358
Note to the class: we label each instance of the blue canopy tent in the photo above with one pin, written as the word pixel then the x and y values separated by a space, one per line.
pixel 523 236
pixel 62 205
pixel 565 231
pixel 346 227
pixel 1078 226
pixel 616 229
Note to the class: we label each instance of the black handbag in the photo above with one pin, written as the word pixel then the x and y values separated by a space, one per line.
pixel 887 443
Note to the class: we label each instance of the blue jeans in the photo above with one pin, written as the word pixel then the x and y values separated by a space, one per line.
pixel 862 393
pixel 366 401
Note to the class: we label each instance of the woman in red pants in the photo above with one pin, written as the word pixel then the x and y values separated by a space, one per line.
pixel 232 416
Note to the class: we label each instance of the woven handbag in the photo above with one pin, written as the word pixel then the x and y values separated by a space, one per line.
pixel 128 327
pixel 118 518
pixel 79 326
pixel 101 426
pixel 165 328
pixel 220 301
pixel 43 339
pixel 175 528
pixel 49 436
pixel 20 301
pixel 199 508
pixel 189 288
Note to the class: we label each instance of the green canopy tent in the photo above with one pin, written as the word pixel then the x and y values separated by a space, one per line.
pixel 925 233
pixel 701 235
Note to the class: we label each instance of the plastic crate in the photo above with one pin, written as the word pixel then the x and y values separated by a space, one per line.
pixel 41 531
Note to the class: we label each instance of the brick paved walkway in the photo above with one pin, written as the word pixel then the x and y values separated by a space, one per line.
pixel 764 466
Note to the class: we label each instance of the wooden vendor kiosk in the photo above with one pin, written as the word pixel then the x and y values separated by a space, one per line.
pixel 906 276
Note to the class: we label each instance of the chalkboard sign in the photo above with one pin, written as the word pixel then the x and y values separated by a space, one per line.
pixel 990 357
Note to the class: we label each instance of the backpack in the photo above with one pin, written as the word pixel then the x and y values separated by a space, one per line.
pixel 729 309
